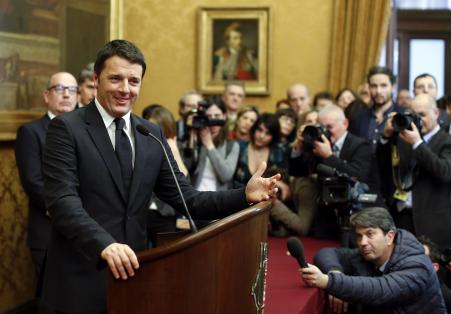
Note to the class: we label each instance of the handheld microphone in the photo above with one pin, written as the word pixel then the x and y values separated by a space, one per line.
pixel 143 130
pixel 296 250
pixel 332 172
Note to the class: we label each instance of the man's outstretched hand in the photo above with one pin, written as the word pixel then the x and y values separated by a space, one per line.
pixel 260 189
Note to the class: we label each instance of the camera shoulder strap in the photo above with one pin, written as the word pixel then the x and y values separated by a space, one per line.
pixel 401 189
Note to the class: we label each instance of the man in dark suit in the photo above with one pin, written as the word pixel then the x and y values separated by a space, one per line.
pixel 347 153
pixel 419 195
pixel 99 174
pixel 60 97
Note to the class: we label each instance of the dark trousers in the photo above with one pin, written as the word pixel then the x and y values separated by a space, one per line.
pixel 38 256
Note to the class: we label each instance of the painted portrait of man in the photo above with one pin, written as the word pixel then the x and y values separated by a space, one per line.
pixel 235 53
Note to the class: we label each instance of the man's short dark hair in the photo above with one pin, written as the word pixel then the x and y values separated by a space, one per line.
pixel 373 217
pixel 434 252
pixel 381 70
pixel 86 73
pixel 423 75
pixel 123 49
pixel 322 95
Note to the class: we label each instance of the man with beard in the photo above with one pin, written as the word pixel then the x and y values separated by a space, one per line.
pixel 371 121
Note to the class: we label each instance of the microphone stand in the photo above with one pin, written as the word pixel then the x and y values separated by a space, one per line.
pixel 143 130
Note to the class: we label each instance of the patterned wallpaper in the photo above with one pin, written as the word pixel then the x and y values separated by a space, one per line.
pixel 17 277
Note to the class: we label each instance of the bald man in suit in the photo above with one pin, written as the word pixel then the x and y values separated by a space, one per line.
pixel 60 96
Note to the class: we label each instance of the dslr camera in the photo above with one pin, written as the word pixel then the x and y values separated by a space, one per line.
pixel 200 118
pixel 313 133
pixel 403 121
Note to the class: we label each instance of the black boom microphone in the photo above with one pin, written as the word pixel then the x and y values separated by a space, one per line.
pixel 143 130
pixel 332 172
pixel 296 250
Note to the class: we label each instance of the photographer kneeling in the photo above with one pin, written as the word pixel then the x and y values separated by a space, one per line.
pixel 216 157
pixel 330 144
pixel 388 272
pixel 418 154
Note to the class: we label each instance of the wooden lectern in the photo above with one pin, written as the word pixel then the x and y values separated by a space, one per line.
pixel 220 269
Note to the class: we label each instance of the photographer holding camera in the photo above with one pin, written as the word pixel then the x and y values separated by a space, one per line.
pixel 330 144
pixel 215 157
pixel 414 155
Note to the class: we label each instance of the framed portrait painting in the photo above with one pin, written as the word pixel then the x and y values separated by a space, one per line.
pixel 233 46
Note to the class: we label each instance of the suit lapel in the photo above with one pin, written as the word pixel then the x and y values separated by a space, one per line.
pixel 45 120
pixel 99 134
pixel 346 147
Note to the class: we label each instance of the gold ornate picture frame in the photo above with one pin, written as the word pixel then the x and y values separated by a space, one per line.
pixel 30 54
pixel 233 45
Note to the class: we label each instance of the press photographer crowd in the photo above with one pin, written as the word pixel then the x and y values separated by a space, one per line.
pixel 373 175
pixel 368 170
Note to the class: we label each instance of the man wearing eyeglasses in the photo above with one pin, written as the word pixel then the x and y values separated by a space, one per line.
pixel 60 96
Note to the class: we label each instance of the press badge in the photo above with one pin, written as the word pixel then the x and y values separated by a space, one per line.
pixel 182 223
pixel 401 195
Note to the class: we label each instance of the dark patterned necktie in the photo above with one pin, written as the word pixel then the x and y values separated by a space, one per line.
pixel 123 150
pixel 335 150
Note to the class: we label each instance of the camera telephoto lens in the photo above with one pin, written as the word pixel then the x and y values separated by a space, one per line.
pixel 401 122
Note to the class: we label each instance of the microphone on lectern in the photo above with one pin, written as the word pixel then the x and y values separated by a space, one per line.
pixel 143 130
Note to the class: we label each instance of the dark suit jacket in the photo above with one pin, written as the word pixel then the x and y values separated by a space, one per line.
pixel 431 193
pixel 29 149
pixel 85 197
pixel 355 160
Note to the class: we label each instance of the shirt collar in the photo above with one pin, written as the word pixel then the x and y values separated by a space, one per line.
pixel 383 266
pixel 386 112
pixel 339 143
pixel 429 135
pixel 108 119
pixel 51 115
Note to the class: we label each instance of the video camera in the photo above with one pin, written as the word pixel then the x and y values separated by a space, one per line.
pixel 313 133
pixel 201 120
pixel 345 195
pixel 339 189
pixel 403 121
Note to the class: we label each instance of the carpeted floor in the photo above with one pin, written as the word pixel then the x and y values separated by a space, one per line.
pixel 285 291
